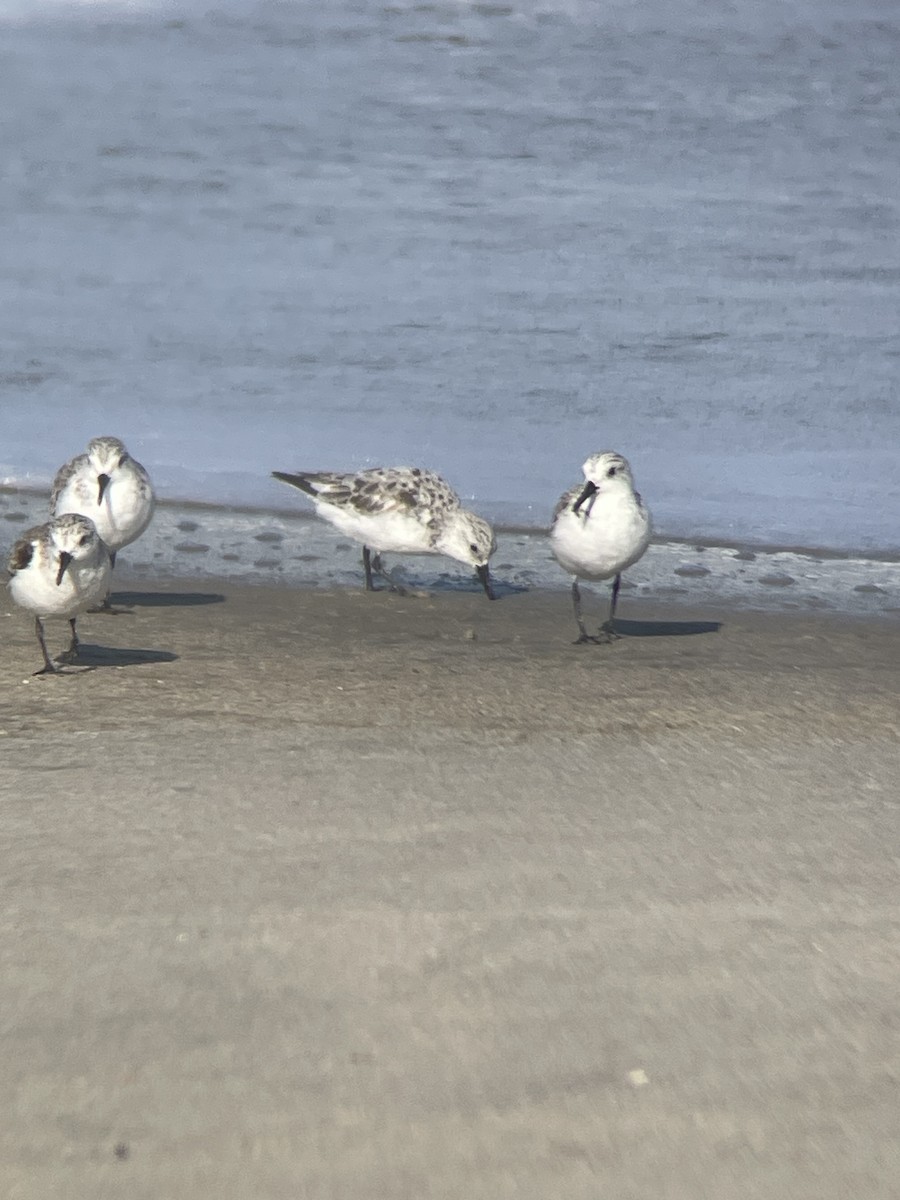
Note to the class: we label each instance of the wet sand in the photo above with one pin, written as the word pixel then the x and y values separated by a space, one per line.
pixel 319 894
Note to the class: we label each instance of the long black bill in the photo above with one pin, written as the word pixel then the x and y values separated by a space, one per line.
pixel 590 489
pixel 484 576
pixel 103 481
pixel 64 559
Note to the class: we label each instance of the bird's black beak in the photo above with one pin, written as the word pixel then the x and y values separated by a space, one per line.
pixel 103 481
pixel 484 577
pixel 64 559
pixel 590 489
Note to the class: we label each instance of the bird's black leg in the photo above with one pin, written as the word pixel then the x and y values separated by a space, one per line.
pixel 106 606
pixel 380 569
pixel 49 667
pixel 71 653
pixel 583 635
pixel 367 567
pixel 608 626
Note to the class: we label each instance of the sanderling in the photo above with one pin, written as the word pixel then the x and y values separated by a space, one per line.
pixel 406 510
pixel 111 488
pixel 58 570
pixel 599 528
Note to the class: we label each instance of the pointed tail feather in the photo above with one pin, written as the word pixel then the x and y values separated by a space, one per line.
pixel 297 481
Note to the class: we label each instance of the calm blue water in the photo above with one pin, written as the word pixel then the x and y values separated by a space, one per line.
pixel 489 238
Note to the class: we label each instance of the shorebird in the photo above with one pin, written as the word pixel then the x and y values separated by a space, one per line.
pixel 109 486
pixel 599 529
pixel 58 570
pixel 404 510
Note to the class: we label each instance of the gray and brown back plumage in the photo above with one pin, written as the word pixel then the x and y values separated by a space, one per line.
pixel 567 499
pixel 64 475
pixel 22 552
pixel 413 491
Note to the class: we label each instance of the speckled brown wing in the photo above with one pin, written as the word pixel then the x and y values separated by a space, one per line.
pixel 411 490
pixel 383 491
pixel 64 475
pixel 434 491
pixel 23 551
pixel 377 490
pixel 567 499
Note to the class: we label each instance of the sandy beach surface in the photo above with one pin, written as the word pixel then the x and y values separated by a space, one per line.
pixel 317 894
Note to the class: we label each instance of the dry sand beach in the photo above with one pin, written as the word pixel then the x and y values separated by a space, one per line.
pixel 319 894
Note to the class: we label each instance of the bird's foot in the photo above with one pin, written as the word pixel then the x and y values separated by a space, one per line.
pixel 393 586
pixel 390 586
pixel 53 669
pixel 604 636
pixel 67 669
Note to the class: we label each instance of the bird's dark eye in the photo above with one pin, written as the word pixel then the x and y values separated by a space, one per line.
pixel 84 539
pixel 612 471
pixel 473 547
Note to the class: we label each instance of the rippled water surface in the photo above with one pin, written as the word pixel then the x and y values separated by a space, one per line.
pixel 489 238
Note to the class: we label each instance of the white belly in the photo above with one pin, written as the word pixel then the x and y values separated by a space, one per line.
pixel 80 588
pixel 383 532
pixel 608 540
pixel 120 518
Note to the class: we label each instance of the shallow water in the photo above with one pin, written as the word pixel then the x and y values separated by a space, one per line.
pixel 488 238
pixel 295 550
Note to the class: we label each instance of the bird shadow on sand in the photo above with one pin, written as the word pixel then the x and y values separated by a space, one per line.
pixel 90 657
pixel 664 628
pixel 165 599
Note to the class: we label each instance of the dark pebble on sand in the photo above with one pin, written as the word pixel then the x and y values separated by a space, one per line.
pixel 268 536
pixel 870 589
pixel 192 547
pixel 777 580
pixel 187 526
pixel 692 571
